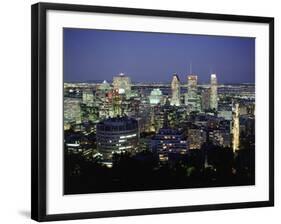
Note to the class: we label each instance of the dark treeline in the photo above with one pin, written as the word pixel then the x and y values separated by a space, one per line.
pixel 209 167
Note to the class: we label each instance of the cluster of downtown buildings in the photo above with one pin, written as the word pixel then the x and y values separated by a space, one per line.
pixel 169 119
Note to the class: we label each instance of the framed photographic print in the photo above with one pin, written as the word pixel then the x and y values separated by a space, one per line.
pixel 139 111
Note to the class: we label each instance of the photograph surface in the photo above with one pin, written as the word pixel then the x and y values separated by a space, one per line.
pixel 157 111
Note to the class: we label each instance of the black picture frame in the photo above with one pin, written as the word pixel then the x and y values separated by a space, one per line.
pixel 38 108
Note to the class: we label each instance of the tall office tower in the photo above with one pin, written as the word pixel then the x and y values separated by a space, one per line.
pixel 214 92
pixel 116 101
pixel 122 84
pixel 152 120
pixel 205 99
pixel 103 91
pixel 235 128
pixel 88 97
pixel 191 98
pixel 175 86
pixel 104 98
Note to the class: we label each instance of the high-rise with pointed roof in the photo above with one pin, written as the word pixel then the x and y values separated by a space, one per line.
pixel 175 86
pixel 214 92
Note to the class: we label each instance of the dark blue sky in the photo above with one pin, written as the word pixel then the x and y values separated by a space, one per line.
pixel 100 54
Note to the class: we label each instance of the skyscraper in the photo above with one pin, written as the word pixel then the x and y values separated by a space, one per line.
pixel 205 99
pixel 235 128
pixel 116 101
pixel 122 84
pixel 214 93
pixel 175 86
pixel 104 99
pixel 191 97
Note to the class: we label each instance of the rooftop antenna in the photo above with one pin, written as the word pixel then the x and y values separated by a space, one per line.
pixel 190 68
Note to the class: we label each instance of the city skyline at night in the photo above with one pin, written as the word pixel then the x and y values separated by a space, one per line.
pixel 153 111
pixel 97 55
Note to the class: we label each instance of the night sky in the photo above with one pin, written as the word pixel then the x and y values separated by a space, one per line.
pixel 91 55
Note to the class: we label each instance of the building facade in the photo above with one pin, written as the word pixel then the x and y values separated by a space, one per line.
pixel 192 99
pixel 214 92
pixel 122 84
pixel 155 97
pixel 205 99
pixel 196 137
pixel 235 128
pixel 88 97
pixel 72 111
pixel 175 87
pixel 117 135
pixel 169 141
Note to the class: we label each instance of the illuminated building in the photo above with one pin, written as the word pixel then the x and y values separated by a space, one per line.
pixel 89 113
pixel 105 86
pixel 175 86
pixel 117 135
pixel 159 117
pixel 144 114
pixel 132 108
pixel 205 99
pixel 225 112
pixel 103 90
pixel 169 141
pixel 191 97
pixel 247 131
pixel 105 108
pixel 116 103
pixel 155 96
pixel 104 98
pixel 72 111
pixel 220 137
pixel 196 138
pixel 122 84
pixel 152 118
pixel 246 124
pixel 152 121
pixel 112 102
pixel 235 128
pixel 246 107
pixel 88 97
pixel 214 92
